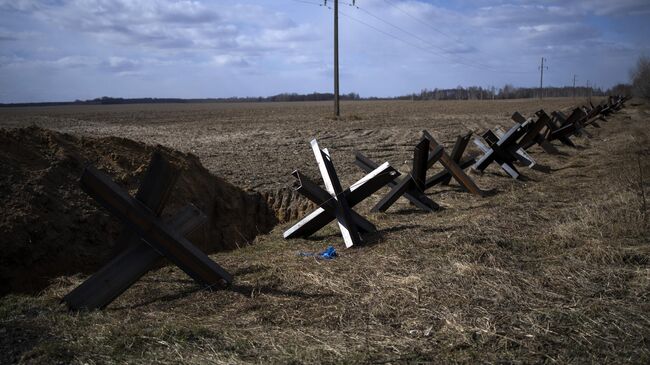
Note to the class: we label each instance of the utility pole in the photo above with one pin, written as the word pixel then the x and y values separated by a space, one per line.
pixel 541 79
pixel 574 86
pixel 337 109
pixel 588 91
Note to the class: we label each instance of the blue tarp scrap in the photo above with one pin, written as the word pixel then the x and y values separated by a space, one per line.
pixel 328 254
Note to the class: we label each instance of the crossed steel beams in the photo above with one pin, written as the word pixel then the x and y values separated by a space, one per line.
pixel 612 105
pixel 453 165
pixel 502 150
pixel 575 119
pixel 535 135
pixel 411 186
pixel 507 147
pixel 521 154
pixel 555 131
pixel 593 115
pixel 145 235
pixel 562 127
pixel 336 203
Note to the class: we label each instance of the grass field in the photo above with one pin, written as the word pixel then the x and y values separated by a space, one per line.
pixel 554 269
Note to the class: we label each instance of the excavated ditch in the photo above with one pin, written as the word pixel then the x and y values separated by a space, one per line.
pixel 49 227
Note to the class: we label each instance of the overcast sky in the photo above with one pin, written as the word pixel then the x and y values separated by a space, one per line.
pixel 56 50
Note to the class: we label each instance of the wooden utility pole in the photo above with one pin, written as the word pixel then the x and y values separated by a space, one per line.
pixel 337 109
pixel 541 79
pixel 574 86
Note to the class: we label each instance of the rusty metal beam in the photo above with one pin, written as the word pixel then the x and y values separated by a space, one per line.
pixel 144 222
pixel 451 165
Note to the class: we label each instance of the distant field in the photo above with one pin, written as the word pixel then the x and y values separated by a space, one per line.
pixel 554 269
pixel 257 145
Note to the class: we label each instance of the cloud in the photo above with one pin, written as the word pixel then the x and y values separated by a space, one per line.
pixel 558 34
pixel 75 62
pixel 174 25
pixel 230 60
pixel 607 7
pixel 583 7
pixel 66 62
pixel 12 35
pixel 121 64
pixel 281 46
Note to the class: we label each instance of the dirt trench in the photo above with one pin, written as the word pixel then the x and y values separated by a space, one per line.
pixel 49 227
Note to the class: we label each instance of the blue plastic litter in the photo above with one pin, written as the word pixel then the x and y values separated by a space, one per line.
pixel 328 254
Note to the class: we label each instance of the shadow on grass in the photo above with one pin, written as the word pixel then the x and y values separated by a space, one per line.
pixel 442 229
pixel 542 168
pixel 489 192
pixel 162 298
pixel 399 228
pixel 572 166
pixel 245 290
pixel 250 291
pixel 460 189
pixel 412 210
pixel 24 342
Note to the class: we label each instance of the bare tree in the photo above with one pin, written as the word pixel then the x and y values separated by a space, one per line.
pixel 640 76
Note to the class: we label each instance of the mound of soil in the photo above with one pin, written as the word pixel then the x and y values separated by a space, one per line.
pixel 50 227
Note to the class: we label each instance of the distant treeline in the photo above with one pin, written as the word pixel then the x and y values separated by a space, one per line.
pixel 459 93
pixel 105 100
pixel 511 92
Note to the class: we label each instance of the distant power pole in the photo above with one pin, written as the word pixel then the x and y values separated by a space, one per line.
pixel 337 109
pixel 574 86
pixel 541 79
pixel 588 91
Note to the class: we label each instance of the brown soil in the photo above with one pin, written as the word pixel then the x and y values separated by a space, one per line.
pixel 258 145
pixel 49 227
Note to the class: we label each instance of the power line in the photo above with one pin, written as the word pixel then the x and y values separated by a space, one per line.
pixel 447 53
pixel 307 2
pixel 390 35
pixel 442 53
pixel 405 41
pixel 422 21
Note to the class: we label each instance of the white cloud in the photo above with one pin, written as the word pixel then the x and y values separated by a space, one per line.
pixel 170 25
pixel 283 46
pixel 230 60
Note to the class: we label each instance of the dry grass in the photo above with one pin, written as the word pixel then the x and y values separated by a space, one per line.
pixel 552 270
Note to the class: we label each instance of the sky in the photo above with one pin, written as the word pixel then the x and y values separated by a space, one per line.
pixel 60 50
